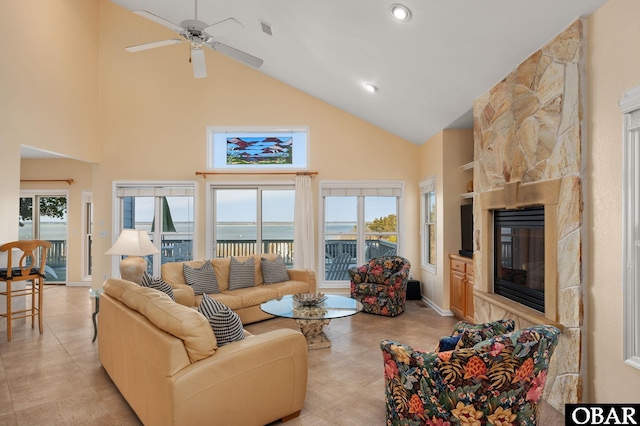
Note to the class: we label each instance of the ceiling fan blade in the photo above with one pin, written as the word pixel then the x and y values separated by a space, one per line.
pixel 236 54
pixel 145 46
pixel 223 27
pixel 198 62
pixel 159 20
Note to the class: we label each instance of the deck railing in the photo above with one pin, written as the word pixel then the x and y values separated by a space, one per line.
pixel 226 248
pixel 57 254
pixel 182 250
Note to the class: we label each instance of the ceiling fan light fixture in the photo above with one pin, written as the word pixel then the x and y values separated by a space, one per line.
pixel 400 12
pixel 370 88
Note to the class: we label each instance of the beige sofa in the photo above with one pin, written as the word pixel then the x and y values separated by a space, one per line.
pixel 246 301
pixel 164 359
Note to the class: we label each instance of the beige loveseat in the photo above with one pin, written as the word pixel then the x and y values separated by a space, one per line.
pixel 245 301
pixel 164 359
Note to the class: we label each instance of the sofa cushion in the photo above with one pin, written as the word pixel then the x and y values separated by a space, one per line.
pixel 137 298
pixel 255 295
pixel 273 271
pixel 227 298
pixel 225 323
pixel 173 273
pixel 183 322
pixel 290 287
pixel 116 287
pixel 157 283
pixel 241 274
pixel 203 279
pixel 186 324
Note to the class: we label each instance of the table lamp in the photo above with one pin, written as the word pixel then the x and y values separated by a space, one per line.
pixel 133 243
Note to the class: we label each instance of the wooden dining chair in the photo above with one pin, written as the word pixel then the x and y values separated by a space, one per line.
pixel 23 258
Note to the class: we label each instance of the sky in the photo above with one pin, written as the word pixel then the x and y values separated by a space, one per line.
pixel 239 205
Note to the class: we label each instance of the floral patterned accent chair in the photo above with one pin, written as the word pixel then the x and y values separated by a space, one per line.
pixel 381 285
pixel 498 381
pixel 466 334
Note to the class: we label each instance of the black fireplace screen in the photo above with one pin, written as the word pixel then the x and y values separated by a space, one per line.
pixel 519 255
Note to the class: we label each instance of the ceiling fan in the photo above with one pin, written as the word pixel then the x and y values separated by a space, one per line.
pixel 198 34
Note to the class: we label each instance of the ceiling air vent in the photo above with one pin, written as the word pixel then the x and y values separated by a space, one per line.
pixel 266 28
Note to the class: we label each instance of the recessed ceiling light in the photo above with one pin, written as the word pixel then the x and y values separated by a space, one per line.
pixel 400 12
pixel 370 88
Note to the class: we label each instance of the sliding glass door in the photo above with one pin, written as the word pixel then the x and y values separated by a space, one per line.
pixel 166 212
pixel 44 217
pixel 252 220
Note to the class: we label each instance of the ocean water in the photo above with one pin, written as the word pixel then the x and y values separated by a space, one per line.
pixel 56 231
pixel 271 231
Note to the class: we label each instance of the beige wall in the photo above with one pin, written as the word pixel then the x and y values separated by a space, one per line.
pixel 154 116
pixel 49 79
pixel 458 150
pixel 441 156
pixel 81 173
pixel 431 153
pixel 613 67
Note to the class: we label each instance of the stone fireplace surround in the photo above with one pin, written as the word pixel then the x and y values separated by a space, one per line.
pixel 528 138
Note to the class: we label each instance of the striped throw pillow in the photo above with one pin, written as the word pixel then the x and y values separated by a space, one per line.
pixel 158 284
pixel 203 280
pixel 242 274
pixel 274 271
pixel 225 323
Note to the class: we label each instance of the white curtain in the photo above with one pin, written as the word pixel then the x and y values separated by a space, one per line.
pixel 303 240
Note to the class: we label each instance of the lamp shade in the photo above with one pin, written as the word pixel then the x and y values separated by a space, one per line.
pixel 133 242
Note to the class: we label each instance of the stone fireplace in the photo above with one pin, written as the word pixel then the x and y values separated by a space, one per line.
pixel 528 136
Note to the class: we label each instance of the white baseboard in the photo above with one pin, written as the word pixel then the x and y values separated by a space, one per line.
pixel 440 311
pixel 80 284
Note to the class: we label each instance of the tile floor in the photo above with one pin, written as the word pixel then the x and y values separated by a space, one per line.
pixel 56 378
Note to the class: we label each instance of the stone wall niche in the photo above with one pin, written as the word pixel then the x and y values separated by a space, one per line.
pixel 528 134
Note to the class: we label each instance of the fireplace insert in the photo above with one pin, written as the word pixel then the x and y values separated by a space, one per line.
pixel 519 255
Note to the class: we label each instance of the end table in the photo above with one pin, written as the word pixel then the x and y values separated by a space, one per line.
pixel 95 293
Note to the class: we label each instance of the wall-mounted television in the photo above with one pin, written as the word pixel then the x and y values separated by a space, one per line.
pixel 466 230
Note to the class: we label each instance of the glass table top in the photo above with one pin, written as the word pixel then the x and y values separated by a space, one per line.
pixel 96 292
pixel 332 307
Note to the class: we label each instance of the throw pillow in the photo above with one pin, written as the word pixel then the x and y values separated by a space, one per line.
pixel 274 272
pixel 203 280
pixel 225 323
pixel 241 274
pixel 448 343
pixel 157 283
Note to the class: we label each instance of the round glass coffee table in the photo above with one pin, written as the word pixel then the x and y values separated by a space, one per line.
pixel 312 319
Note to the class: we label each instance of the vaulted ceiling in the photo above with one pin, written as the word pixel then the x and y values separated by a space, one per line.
pixel 428 70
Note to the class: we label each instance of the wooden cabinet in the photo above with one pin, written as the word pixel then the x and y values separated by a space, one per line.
pixel 461 282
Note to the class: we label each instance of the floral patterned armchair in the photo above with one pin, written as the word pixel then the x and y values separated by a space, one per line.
pixel 381 285
pixel 497 381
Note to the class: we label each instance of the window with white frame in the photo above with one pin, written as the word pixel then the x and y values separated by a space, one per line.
pixel 165 211
pixel 259 147
pixel 87 235
pixel 247 219
pixel 630 106
pixel 428 223
pixel 360 221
